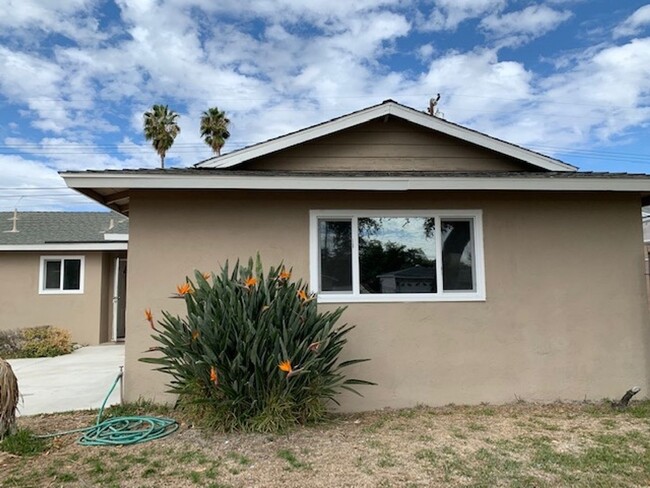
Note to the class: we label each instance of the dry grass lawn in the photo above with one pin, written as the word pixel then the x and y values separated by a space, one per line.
pixel 578 445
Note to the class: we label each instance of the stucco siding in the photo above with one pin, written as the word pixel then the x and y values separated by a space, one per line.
pixel 21 305
pixel 386 146
pixel 565 317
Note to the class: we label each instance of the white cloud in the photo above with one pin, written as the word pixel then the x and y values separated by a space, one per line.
pixel 31 185
pixel 634 23
pixel 476 86
pixel 448 14
pixel 28 20
pixel 524 25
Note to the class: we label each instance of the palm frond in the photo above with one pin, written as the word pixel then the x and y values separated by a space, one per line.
pixel 214 128
pixel 8 399
pixel 161 128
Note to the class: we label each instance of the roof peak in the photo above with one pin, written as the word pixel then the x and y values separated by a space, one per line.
pixel 388 107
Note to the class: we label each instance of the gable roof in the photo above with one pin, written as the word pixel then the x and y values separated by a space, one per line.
pixel 384 109
pixel 63 231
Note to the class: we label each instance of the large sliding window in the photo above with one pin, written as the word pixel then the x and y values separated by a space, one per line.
pixel 374 256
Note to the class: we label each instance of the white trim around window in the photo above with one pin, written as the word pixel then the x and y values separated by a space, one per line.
pixel 60 290
pixel 355 296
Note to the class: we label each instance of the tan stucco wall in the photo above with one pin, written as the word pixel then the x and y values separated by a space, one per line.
pixel 21 305
pixel 566 314
pixel 386 146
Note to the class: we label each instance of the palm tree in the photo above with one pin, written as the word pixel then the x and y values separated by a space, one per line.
pixel 161 129
pixel 214 128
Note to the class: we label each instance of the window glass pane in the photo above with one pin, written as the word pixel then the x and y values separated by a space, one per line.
pixel 335 247
pixel 397 255
pixel 457 255
pixel 71 274
pixel 52 275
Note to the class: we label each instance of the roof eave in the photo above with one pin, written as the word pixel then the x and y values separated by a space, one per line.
pixel 65 246
pixel 88 183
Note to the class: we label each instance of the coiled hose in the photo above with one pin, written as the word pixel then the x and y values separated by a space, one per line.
pixel 121 431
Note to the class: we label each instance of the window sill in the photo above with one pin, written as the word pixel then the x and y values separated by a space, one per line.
pixel 60 292
pixel 400 298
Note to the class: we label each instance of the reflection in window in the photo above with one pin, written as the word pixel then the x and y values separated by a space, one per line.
pixel 71 274
pixel 335 246
pixel 457 245
pixel 370 256
pixel 52 275
pixel 397 255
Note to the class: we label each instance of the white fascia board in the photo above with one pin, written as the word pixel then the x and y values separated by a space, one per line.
pixel 418 118
pixel 116 237
pixel 74 246
pixel 372 183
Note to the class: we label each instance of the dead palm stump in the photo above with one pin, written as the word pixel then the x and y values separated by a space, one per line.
pixel 8 399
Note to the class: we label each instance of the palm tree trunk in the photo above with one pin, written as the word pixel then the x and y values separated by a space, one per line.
pixel 8 399
pixel 162 162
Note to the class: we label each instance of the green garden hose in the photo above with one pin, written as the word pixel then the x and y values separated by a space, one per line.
pixel 121 431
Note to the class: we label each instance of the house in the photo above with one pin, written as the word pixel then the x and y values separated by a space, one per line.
pixel 66 269
pixel 540 289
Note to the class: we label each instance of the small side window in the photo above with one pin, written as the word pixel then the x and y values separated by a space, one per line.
pixel 61 274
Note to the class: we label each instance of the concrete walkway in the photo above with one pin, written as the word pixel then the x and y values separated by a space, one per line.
pixel 76 381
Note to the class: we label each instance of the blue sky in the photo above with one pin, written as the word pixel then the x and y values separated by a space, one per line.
pixel 569 78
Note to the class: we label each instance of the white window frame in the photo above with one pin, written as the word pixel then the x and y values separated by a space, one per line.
pixel 476 216
pixel 60 291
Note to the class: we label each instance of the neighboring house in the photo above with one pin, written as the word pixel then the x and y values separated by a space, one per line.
pixel 540 290
pixel 416 279
pixel 66 269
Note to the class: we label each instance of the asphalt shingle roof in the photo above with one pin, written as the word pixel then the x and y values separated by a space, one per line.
pixel 54 227
pixel 379 174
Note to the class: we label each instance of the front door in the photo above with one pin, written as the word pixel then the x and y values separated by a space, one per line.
pixel 119 300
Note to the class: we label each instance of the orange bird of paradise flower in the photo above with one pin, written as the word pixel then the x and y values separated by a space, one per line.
pixel 302 294
pixel 285 366
pixel 206 276
pixel 250 281
pixel 195 335
pixel 184 289
pixel 213 376
pixel 149 317
pixel 284 275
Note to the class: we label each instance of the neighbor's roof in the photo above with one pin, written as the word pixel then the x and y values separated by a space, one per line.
pixel 384 109
pixel 414 272
pixel 63 231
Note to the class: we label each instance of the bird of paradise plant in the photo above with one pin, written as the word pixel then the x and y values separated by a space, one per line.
pixel 253 351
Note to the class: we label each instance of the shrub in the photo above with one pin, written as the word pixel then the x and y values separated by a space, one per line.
pixel 35 342
pixel 45 341
pixel 253 352
pixel 11 342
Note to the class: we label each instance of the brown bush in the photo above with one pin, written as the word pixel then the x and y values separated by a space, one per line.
pixel 35 342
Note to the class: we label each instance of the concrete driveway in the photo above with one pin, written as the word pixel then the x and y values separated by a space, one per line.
pixel 76 381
